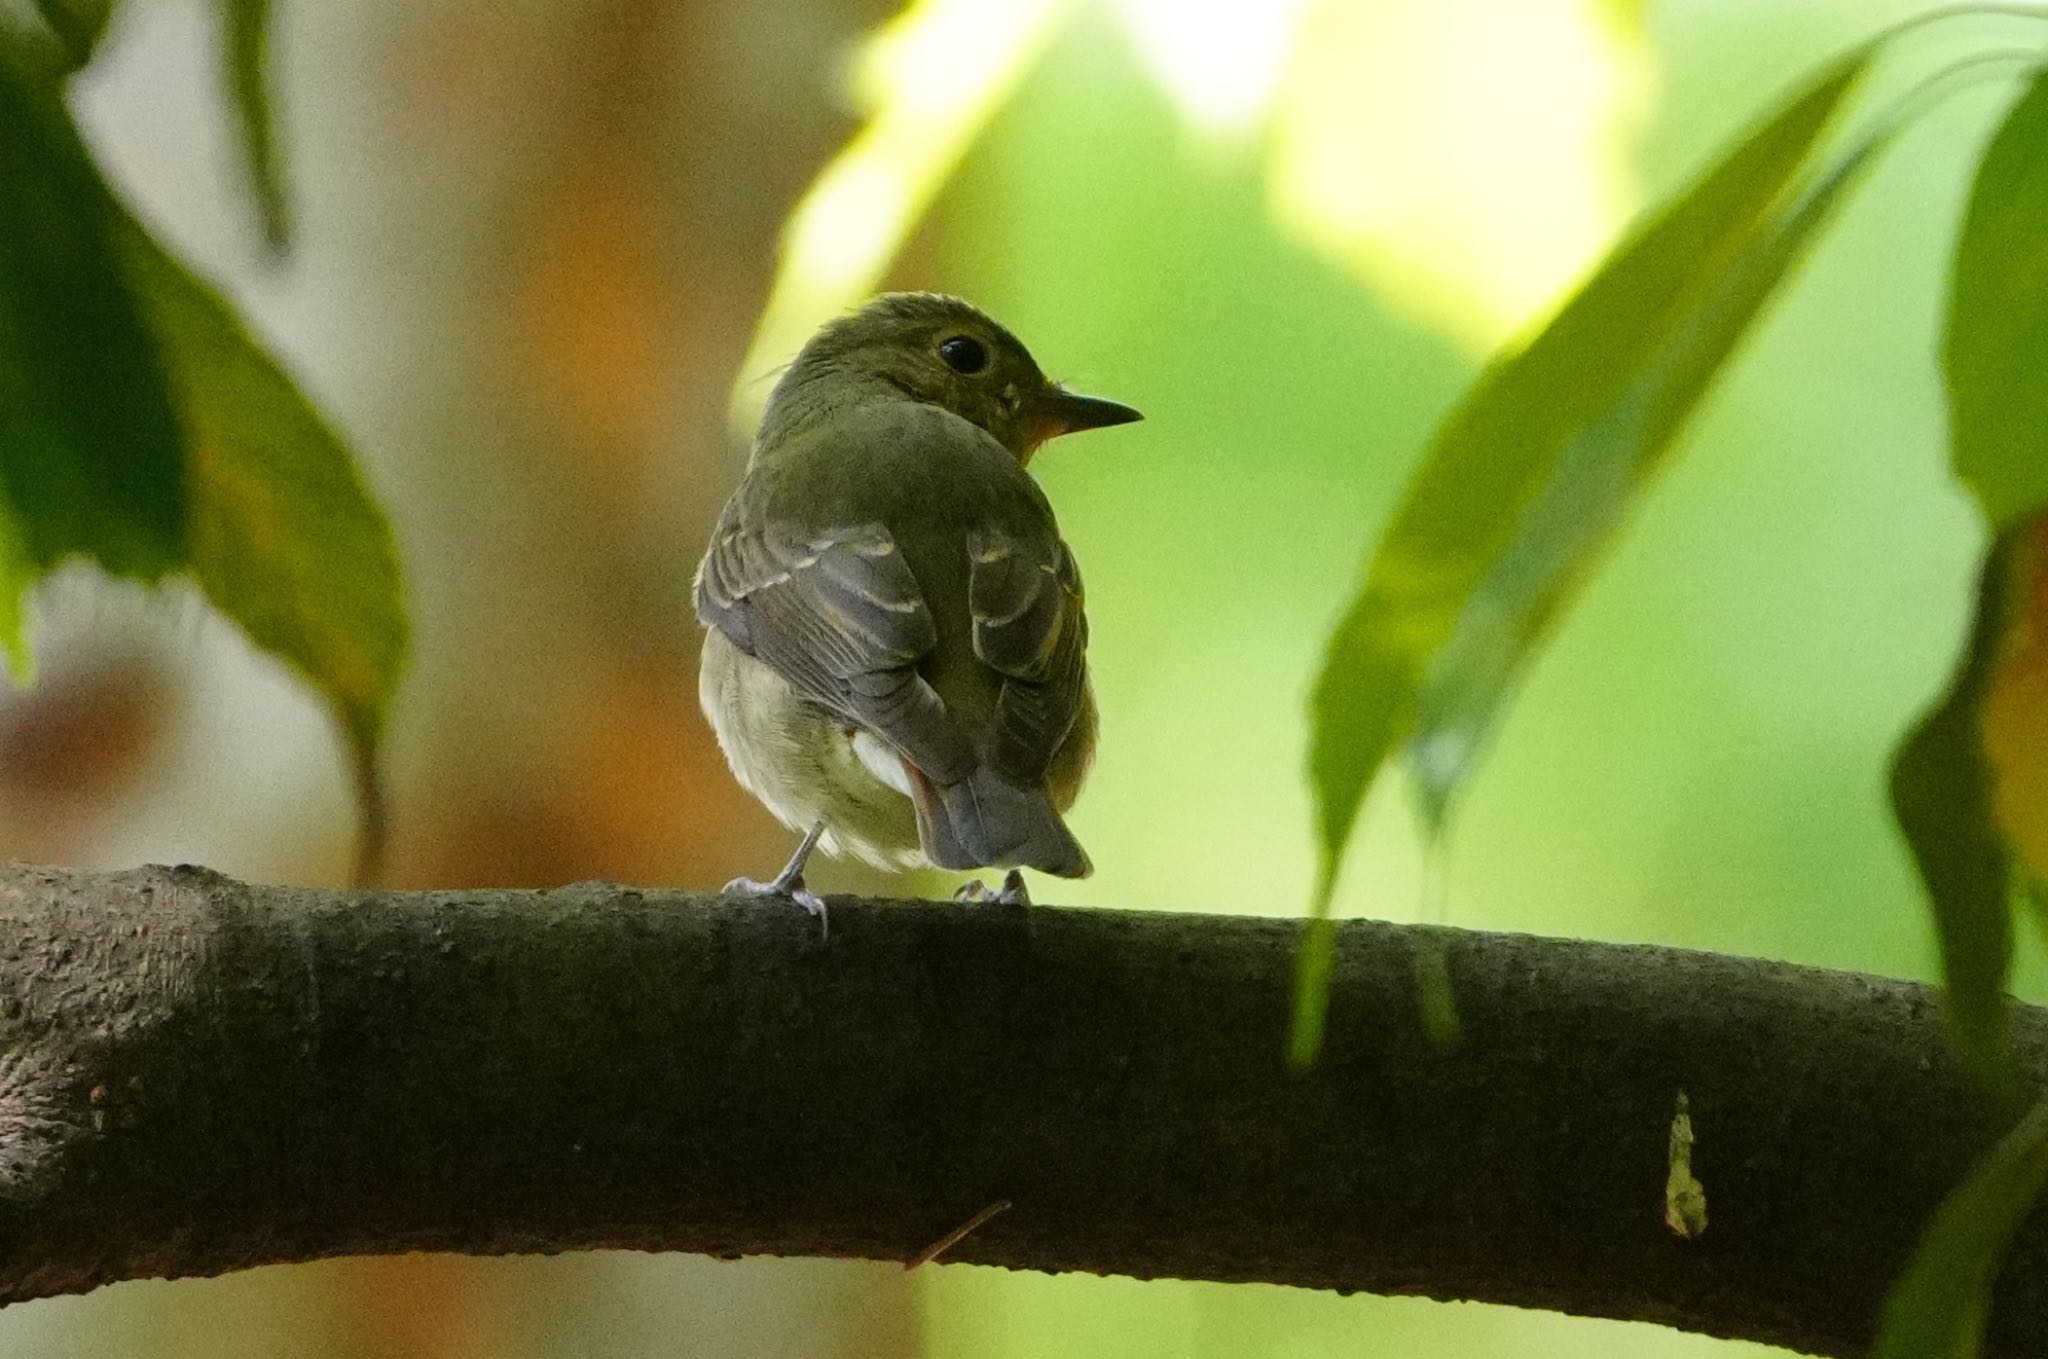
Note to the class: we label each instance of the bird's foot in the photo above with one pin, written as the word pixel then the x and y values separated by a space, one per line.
pixel 1011 893
pixel 789 883
pixel 788 887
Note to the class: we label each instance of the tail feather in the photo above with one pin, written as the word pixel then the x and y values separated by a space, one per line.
pixel 988 821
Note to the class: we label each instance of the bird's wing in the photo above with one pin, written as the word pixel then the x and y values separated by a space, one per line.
pixel 839 615
pixel 1024 592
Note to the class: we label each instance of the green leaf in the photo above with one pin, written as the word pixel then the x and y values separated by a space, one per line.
pixel 91 452
pixel 286 539
pixel 1603 466
pixel 78 24
pixel 1941 788
pixel 1998 320
pixel 1528 477
pixel 141 426
pixel 1939 1306
pixel 245 31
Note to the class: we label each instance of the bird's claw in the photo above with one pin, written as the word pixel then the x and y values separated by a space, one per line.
pixel 788 889
pixel 1011 893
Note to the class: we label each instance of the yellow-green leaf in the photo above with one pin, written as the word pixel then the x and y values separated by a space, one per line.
pixel 286 539
pixel 1998 320
pixel 1938 1308
pixel 1527 478
pixel 2014 721
pixel 1941 789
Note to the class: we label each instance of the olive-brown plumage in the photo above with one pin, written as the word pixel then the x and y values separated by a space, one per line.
pixel 897 646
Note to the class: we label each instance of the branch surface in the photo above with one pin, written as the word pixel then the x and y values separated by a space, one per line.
pixel 198 1076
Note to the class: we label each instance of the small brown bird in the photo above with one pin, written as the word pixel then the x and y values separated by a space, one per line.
pixel 896 653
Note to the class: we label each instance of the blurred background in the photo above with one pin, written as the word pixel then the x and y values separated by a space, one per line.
pixel 540 279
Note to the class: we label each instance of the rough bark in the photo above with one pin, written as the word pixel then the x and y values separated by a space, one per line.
pixel 198 1076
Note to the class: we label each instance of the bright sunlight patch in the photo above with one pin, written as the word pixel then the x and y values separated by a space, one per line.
pixel 1468 159
pixel 927 82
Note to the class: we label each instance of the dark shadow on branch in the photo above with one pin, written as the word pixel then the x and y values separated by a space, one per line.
pixel 197 1076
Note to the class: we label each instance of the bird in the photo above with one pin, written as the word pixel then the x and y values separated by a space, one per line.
pixel 895 653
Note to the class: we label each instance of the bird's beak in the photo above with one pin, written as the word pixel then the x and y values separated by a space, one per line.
pixel 1066 412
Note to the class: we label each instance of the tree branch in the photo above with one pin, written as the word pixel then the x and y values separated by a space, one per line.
pixel 198 1076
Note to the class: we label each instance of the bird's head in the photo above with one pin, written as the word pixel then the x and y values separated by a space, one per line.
pixel 944 352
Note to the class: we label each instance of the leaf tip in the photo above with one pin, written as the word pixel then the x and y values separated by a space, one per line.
pixel 362 731
pixel 1435 996
pixel 1313 960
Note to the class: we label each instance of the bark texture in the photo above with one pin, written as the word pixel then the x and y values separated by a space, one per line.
pixel 197 1076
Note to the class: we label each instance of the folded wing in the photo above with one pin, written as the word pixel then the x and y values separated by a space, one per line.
pixel 839 615
pixel 1024 592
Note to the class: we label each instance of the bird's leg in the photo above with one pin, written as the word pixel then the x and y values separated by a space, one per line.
pixel 789 883
pixel 1011 893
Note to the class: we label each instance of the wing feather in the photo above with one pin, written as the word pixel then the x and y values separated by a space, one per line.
pixel 839 613
pixel 1024 593
pixel 840 616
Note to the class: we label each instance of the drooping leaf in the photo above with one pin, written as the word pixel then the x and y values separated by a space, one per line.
pixel 2014 721
pixel 1527 478
pixel 142 427
pixel 1603 467
pixel 1967 785
pixel 1941 789
pixel 1998 320
pixel 91 452
pixel 78 24
pixel 245 32
pixel 1938 1308
pixel 286 539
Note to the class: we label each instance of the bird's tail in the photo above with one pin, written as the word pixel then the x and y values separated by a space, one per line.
pixel 988 821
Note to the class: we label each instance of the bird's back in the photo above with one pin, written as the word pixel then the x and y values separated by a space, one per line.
pixel 938 486
pixel 911 576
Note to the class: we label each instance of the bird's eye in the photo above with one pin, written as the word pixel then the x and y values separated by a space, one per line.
pixel 964 355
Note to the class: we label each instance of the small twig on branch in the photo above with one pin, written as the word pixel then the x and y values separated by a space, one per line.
pixel 954 1237
pixel 198 1076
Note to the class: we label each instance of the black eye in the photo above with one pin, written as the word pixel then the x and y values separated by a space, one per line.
pixel 964 355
